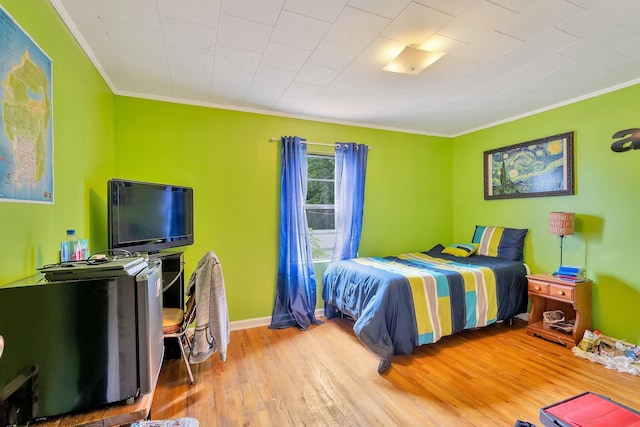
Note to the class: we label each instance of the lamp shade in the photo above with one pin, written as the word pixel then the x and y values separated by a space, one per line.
pixel 562 223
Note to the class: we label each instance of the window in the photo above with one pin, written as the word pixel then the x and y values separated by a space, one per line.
pixel 320 205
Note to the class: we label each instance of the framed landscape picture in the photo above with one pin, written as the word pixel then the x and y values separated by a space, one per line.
pixel 542 167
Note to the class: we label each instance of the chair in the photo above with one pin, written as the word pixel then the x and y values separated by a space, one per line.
pixel 175 323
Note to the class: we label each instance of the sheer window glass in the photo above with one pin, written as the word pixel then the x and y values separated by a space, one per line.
pixel 320 205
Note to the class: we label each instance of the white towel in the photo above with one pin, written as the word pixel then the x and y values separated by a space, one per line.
pixel 212 315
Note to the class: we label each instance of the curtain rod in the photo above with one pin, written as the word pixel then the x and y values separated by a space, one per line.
pixel 306 142
pixel 311 143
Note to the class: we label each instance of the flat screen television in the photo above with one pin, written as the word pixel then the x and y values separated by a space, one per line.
pixel 149 217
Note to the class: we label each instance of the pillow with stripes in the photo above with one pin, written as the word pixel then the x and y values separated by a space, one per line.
pixel 500 242
pixel 461 249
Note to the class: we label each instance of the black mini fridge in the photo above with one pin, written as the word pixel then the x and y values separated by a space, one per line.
pixel 73 345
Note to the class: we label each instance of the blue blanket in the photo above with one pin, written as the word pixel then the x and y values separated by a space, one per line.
pixel 412 299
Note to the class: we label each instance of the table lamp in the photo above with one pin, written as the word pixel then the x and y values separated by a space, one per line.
pixel 562 224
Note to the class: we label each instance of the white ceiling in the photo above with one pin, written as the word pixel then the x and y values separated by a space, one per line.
pixel 323 59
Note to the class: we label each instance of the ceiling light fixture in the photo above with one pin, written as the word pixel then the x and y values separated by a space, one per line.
pixel 412 60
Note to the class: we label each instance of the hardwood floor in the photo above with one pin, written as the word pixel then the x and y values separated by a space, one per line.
pixel 325 377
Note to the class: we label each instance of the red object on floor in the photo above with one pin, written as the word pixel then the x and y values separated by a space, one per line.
pixel 589 410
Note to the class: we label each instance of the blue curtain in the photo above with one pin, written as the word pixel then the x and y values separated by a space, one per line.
pixel 296 289
pixel 351 167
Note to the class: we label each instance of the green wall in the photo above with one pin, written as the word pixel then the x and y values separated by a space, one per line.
pixel 227 158
pixel 83 151
pixel 606 202
pixel 420 190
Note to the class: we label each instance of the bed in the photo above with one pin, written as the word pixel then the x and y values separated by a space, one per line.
pixel 403 301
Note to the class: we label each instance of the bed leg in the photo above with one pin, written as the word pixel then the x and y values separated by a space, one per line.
pixel 511 321
pixel 384 365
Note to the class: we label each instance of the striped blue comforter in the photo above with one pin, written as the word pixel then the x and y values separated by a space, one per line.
pixel 402 301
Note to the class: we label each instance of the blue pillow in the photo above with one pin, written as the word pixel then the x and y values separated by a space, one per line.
pixel 500 242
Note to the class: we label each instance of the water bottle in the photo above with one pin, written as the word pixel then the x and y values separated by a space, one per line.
pixel 71 249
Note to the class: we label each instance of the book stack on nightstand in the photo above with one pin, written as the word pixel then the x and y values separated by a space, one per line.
pixel 570 273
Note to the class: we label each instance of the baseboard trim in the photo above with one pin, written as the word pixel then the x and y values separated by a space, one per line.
pixel 261 321
pixel 249 323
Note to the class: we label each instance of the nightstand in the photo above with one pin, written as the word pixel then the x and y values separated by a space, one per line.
pixel 550 293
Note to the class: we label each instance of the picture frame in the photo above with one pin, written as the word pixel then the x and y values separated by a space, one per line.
pixel 538 168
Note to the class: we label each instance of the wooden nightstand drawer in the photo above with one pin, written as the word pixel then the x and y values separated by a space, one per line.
pixel 561 292
pixel 537 287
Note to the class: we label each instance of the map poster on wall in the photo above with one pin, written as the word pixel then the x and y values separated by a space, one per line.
pixel 26 129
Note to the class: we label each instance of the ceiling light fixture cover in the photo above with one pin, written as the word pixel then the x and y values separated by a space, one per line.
pixel 412 60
